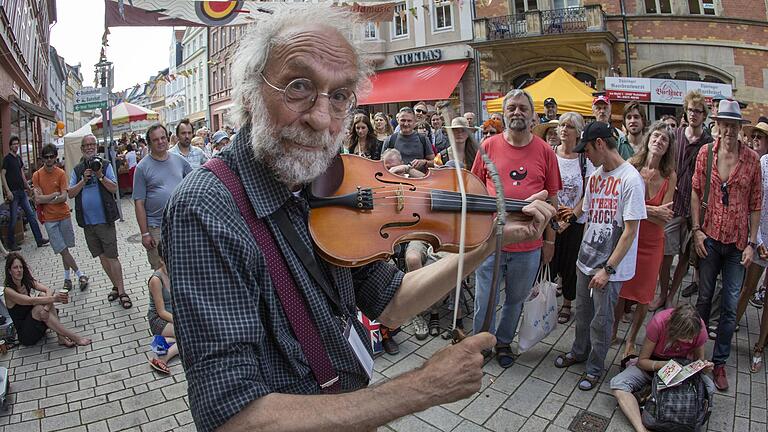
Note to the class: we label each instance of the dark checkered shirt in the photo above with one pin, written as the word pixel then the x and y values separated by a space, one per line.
pixel 235 341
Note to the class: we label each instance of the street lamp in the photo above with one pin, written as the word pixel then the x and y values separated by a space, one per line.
pixel 104 78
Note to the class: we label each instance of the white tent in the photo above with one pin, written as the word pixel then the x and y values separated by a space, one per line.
pixel 72 152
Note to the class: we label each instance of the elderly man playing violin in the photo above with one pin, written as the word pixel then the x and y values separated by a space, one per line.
pixel 267 329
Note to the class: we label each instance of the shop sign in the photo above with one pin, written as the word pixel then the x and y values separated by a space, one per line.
pixel 628 89
pixel 419 57
pixel 667 91
pixel 710 90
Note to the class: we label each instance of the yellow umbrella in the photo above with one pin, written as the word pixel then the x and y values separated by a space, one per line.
pixel 570 94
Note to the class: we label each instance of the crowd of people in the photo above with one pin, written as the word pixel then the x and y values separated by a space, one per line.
pixel 261 322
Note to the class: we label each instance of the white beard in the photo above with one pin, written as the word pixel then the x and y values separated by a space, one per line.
pixel 292 165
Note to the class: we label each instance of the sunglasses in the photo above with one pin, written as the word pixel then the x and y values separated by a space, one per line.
pixel 50 156
pixel 420 111
pixel 489 133
pixel 724 190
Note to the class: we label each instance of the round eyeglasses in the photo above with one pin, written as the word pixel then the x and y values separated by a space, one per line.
pixel 301 94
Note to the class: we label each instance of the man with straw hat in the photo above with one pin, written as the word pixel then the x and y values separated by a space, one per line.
pixel 725 239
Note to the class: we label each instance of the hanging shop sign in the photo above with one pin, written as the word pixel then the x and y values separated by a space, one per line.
pixel 661 91
pixel 419 57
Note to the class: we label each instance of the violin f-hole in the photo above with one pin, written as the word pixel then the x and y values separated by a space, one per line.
pixel 389 225
pixel 379 176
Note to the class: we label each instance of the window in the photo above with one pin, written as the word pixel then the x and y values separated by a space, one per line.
pixel 369 31
pixel 658 6
pixel 214 40
pixel 563 4
pixel 443 18
pixel 521 6
pixel 215 81
pixel 698 7
pixel 400 21
pixel 224 82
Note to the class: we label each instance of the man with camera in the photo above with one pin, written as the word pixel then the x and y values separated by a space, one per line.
pixel 93 184
pixel 50 185
pixel 154 180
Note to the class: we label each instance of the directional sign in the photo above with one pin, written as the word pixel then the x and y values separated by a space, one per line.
pixel 88 98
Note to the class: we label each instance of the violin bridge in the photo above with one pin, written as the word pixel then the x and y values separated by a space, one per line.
pixel 400 197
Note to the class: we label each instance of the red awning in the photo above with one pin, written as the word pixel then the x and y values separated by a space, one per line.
pixel 415 83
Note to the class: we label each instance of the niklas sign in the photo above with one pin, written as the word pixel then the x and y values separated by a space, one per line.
pixel 419 57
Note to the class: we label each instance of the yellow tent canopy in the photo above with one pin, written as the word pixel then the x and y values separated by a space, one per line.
pixel 570 94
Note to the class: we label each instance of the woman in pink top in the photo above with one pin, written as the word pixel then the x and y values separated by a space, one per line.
pixel 671 333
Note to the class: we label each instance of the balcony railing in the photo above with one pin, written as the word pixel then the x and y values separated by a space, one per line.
pixel 538 23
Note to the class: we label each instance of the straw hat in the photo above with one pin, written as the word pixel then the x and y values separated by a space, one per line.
pixel 460 123
pixel 541 129
pixel 762 127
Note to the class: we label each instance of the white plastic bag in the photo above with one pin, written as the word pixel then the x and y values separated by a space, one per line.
pixel 539 311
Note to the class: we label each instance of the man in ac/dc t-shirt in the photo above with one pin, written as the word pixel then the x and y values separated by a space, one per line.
pixel 527 165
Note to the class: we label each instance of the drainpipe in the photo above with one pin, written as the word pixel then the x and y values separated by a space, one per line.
pixel 626 37
pixel 476 53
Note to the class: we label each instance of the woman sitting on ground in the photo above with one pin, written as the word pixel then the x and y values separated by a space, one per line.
pixel 671 333
pixel 160 316
pixel 32 314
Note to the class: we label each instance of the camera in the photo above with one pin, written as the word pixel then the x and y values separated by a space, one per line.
pixel 94 163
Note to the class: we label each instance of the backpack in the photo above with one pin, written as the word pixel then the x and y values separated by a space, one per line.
pixel 393 140
pixel 683 408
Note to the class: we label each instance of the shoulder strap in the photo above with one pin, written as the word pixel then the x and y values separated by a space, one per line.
pixel 392 140
pixel 583 167
pixel 705 200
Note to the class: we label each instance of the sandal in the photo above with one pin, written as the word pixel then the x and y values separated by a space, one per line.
pixel 160 366
pixel 565 360
pixel 564 314
pixel 757 360
pixel 588 382
pixel 113 295
pixel 504 356
pixel 125 301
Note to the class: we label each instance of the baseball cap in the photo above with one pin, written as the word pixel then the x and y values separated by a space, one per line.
pixel 601 98
pixel 550 101
pixel 592 132
pixel 218 136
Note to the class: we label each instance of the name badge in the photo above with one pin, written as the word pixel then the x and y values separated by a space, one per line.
pixel 365 359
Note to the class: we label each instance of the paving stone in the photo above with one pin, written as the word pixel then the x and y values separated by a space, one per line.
pixel 550 406
pixel 603 405
pixel 566 415
pixel 528 396
pixel 101 412
pixel 440 418
pixel 722 416
pixel 175 390
pixel 411 423
pixel 125 421
pixel 534 424
pixel 59 422
pixel 511 378
pixel 62 388
pixel 468 426
pixel 30 426
pixel 505 421
pixel 483 406
pixel 143 400
pixel 164 424
pixel 167 408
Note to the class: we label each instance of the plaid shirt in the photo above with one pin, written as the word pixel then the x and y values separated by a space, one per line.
pixel 236 343
pixel 730 224
pixel 686 162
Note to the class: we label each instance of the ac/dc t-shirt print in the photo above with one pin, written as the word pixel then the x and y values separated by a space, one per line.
pixel 612 197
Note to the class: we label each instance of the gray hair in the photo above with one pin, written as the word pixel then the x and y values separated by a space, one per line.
pixel 82 141
pixel 517 93
pixel 575 118
pixel 271 30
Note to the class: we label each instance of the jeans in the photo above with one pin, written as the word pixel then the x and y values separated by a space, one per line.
pixel 724 259
pixel 519 272
pixel 594 322
pixel 20 198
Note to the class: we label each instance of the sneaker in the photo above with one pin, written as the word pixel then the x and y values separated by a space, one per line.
pixel 83 282
pixel 43 242
pixel 67 285
pixel 690 290
pixel 420 327
pixel 758 298
pixel 721 378
pixel 712 334
pixel 390 346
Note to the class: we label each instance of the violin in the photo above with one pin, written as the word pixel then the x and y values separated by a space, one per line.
pixel 360 211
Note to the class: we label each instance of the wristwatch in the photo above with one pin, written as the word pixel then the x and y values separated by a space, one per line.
pixel 572 219
pixel 609 269
pixel 753 244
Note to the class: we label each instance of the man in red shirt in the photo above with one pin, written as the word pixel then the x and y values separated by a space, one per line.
pixel 527 165
pixel 725 239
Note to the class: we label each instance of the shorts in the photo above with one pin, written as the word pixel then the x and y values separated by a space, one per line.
pixel 101 240
pixel 633 379
pixel 156 324
pixel 61 234
pixel 153 256
pixel 677 234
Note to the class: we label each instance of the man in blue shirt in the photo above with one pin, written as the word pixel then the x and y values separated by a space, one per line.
pixel 96 212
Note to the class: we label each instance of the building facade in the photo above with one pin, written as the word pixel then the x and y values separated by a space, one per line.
pixel 194 68
pixel 57 81
pixel 222 44
pixel 684 41
pixel 425 50
pixel 74 120
pixel 175 89
pixel 24 41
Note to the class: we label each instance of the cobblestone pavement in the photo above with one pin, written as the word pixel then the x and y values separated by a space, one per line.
pixel 109 385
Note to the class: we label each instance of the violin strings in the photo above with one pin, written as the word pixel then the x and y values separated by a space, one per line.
pixel 475 199
pixel 452 195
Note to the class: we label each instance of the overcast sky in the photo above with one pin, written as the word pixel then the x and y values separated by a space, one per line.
pixel 137 52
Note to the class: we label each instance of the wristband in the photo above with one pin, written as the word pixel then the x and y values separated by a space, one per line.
pixel 146 234
pixel 549 242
